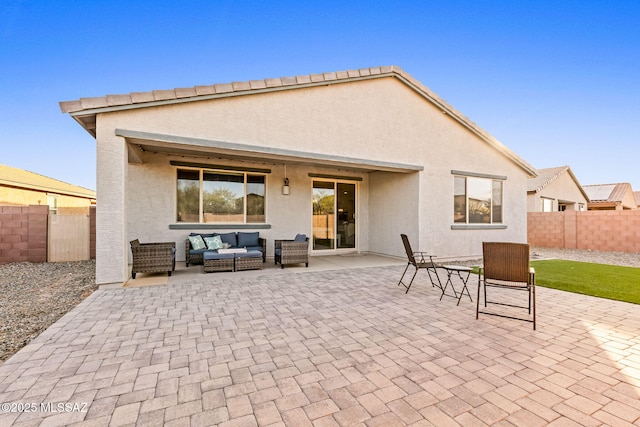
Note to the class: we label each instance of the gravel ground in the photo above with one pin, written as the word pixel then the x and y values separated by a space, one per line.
pixel 34 296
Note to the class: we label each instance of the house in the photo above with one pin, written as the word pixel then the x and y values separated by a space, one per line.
pixel 611 197
pixel 350 158
pixel 21 188
pixel 636 194
pixel 555 189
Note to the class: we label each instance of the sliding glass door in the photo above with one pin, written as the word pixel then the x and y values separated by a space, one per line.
pixel 334 215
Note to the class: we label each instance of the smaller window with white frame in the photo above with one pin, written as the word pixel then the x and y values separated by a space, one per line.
pixel 477 200
pixel 52 201
pixel 547 204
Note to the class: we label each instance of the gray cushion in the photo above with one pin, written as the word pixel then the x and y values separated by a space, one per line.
pixel 246 239
pixel 216 255
pixel 300 238
pixel 198 251
pixel 249 254
pixel 230 238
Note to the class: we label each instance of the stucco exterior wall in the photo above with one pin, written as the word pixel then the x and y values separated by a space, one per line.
pixel 151 201
pixel 111 220
pixel 67 205
pixel 379 120
pixel 629 201
pixel 393 210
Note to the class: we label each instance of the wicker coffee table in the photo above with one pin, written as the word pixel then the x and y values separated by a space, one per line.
pixel 250 260
pixel 218 262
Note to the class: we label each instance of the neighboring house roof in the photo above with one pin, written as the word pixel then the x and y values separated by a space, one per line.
pixel 84 110
pixel 608 193
pixel 20 178
pixel 548 175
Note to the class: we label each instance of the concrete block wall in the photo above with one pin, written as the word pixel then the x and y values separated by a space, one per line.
pixel 612 231
pixel 23 233
pixel 545 229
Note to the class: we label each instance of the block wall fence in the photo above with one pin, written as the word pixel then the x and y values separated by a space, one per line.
pixel 612 231
pixel 24 233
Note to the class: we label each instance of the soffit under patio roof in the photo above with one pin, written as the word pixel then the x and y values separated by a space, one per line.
pixel 208 148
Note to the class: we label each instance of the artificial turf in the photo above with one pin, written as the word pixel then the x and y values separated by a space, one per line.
pixel 600 280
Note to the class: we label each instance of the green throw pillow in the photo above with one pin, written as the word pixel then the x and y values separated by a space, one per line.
pixel 213 243
pixel 197 243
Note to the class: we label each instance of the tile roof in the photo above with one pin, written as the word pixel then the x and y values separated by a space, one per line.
pixel 193 93
pixel 84 110
pixel 544 178
pixel 548 175
pixel 20 178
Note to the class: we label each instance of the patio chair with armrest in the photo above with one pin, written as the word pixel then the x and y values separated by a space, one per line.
pixel 294 251
pixel 506 266
pixel 419 260
pixel 153 257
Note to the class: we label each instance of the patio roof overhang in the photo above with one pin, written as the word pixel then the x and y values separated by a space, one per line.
pixel 146 142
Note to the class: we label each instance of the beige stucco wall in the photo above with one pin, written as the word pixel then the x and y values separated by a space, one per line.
pixel 379 120
pixel 563 189
pixel 629 200
pixel 151 198
pixel 23 197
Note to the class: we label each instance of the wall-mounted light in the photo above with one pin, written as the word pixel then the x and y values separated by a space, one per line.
pixel 285 187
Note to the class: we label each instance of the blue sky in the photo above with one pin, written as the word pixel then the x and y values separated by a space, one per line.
pixel 558 82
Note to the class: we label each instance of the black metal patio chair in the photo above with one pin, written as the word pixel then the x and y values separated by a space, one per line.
pixel 419 260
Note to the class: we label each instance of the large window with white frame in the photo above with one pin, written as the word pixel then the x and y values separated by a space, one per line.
pixel 222 197
pixel 477 200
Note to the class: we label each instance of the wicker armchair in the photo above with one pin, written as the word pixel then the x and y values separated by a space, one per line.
pixel 292 251
pixel 153 257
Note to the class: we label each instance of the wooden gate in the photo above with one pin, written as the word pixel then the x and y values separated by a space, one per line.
pixel 69 238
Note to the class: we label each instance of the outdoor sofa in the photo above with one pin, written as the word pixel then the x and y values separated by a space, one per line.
pixel 251 241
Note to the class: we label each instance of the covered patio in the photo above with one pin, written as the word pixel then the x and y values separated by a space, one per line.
pixel 335 346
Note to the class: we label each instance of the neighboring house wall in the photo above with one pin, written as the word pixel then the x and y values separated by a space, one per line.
pixel 381 120
pixel 615 231
pixel 23 188
pixel 629 200
pixel 67 205
pixel 562 190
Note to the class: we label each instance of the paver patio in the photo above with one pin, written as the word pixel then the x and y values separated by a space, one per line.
pixel 335 347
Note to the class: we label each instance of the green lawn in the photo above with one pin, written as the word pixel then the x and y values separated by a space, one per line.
pixel 600 280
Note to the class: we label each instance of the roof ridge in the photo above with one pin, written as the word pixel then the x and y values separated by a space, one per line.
pixel 130 98
pixel 613 183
